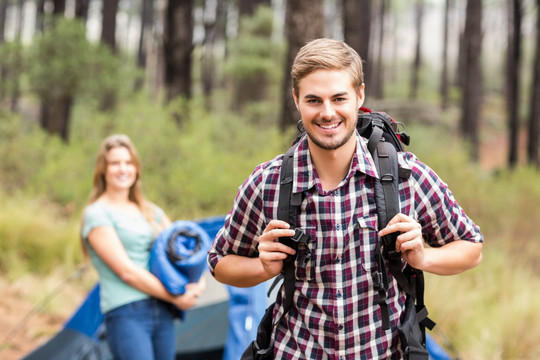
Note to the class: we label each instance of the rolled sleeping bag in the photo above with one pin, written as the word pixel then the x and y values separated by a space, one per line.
pixel 178 255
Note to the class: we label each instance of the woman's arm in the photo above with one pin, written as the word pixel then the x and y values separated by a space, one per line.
pixel 109 248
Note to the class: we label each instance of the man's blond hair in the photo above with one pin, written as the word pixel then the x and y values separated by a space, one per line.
pixel 327 54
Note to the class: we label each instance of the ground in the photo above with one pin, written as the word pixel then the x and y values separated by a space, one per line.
pixel 27 321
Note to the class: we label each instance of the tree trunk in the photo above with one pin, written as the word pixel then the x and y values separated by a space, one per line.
pixel 357 31
pixel 20 20
pixel 81 9
pixel 3 74
pixel 55 114
pixel 15 90
pixel 444 71
pixel 40 16
pixel 377 84
pixel 59 7
pixel 472 79
pixel 147 18
pixel 415 71
pixel 460 60
pixel 534 116
pixel 213 21
pixel 304 21
pixel 249 7
pixel 108 23
pixel 178 47
pixel 513 70
pixel 3 14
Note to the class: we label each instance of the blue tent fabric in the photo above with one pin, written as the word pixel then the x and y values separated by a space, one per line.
pixel 178 255
pixel 88 318
pixel 211 225
pixel 79 339
pixel 246 309
pixel 436 351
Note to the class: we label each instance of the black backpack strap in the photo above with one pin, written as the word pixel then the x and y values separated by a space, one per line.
pixel 288 209
pixel 410 280
pixel 387 203
pixel 289 203
pixel 387 207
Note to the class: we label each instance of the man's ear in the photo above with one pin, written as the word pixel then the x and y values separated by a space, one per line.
pixel 361 93
pixel 295 99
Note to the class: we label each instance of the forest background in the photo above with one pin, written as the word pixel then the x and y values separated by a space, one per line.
pixel 202 88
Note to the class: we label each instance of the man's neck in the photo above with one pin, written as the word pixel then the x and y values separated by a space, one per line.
pixel 332 165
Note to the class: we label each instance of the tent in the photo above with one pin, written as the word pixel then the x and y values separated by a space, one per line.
pixel 219 328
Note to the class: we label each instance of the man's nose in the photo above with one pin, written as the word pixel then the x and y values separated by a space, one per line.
pixel 328 110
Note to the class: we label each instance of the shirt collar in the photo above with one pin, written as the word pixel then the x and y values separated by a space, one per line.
pixel 305 173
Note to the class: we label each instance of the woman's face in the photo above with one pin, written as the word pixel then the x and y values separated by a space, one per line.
pixel 121 173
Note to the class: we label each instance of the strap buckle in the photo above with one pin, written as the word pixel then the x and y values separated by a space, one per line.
pixel 300 237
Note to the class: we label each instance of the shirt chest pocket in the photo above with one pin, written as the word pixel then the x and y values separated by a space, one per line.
pixel 365 241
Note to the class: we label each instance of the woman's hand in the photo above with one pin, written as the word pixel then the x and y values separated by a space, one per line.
pixel 193 291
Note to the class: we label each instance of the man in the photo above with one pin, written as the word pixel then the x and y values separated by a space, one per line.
pixel 334 313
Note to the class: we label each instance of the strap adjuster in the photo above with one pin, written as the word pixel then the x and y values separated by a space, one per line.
pixel 300 236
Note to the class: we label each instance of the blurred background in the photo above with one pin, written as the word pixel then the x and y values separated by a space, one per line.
pixel 202 87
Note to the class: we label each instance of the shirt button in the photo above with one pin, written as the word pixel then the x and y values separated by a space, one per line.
pixel 340 327
pixel 338 260
pixel 339 295
pixel 338 227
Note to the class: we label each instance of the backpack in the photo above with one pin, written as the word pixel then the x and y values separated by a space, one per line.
pixel 384 142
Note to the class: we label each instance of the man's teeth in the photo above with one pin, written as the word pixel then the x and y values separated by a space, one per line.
pixel 331 126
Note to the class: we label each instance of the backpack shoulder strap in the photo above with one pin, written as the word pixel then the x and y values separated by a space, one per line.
pixel 288 210
pixel 411 281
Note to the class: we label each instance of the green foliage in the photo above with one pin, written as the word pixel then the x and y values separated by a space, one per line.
pixel 35 237
pixel 253 52
pixel 37 164
pixel 64 63
pixel 110 76
pixel 254 67
pixel 13 63
pixel 60 59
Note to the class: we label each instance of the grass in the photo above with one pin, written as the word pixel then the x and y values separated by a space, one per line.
pixel 35 237
pixel 489 312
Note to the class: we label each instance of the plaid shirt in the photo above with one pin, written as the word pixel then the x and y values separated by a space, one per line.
pixel 335 315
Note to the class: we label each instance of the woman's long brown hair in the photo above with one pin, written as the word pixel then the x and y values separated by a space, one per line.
pixel 135 192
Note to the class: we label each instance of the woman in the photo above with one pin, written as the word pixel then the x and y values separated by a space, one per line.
pixel 118 228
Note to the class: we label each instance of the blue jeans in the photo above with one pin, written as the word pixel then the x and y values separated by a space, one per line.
pixel 141 330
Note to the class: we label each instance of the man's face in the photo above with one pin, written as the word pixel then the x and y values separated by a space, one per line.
pixel 328 104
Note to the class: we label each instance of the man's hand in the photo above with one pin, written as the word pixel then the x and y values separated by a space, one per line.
pixel 410 242
pixel 271 251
